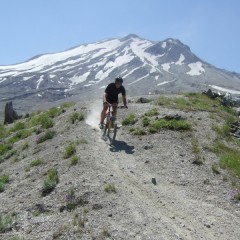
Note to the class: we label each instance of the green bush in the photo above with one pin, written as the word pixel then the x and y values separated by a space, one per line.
pixel 3 131
pixel 151 113
pixel 170 124
pixel 49 134
pixel 70 150
pixel 76 116
pixel 4 148
pixel 54 112
pixel 6 222
pixel 129 120
pixel 67 104
pixel 18 126
pixel 3 180
pixel 138 131
pixel 43 119
pixel 36 162
pixel 50 182
pixel 229 157
pixel 25 145
pixel 110 188
pixel 146 121
pixel 21 134
pixel 74 160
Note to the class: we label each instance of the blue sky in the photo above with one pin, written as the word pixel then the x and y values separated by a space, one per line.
pixel 211 28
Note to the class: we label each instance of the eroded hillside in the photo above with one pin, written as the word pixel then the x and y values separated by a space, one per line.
pixel 60 180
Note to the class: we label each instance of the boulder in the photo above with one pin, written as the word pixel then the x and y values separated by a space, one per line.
pixel 10 113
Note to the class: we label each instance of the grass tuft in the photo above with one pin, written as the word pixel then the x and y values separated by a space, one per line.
pixel 50 182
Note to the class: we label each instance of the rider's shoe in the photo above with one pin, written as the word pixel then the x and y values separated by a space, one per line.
pixel 119 126
pixel 100 125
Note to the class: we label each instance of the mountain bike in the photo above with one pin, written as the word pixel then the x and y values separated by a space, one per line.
pixel 110 125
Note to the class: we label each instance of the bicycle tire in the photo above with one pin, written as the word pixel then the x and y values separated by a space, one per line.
pixel 113 134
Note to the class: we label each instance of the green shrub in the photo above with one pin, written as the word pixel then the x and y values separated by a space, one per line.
pixel 49 134
pixel 76 116
pixel 4 148
pixel 67 104
pixel 18 126
pixel 229 157
pixel 25 145
pixel 54 112
pixel 74 160
pixel 6 222
pixel 50 182
pixel 44 120
pixel 129 120
pixel 70 150
pixel 151 113
pixel 3 180
pixel 36 162
pixel 146 121
pixel 231 161
pixel 170 124
pixel 3 131
pixel 21 134
pixel 138 131
pixel 110 188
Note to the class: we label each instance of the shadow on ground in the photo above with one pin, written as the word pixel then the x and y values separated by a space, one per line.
pixel 119 146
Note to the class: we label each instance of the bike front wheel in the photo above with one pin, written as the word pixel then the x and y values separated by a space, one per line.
pixel 112 132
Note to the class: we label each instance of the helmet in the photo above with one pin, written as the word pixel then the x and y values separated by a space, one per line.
pixel 119 79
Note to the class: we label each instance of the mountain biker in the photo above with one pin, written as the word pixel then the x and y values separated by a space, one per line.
pixel 110 96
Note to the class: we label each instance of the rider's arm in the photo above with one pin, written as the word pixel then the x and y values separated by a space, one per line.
pixel 105 97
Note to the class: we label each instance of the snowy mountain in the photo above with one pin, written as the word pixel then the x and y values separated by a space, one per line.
pixel 84 71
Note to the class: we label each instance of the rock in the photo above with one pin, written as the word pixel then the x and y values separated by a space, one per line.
pixel 10 113
pixel 146 147
pixel 143 100
pixel 97 206
pixel 154 181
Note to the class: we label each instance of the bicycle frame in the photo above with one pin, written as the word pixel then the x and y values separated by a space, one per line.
pixel 110 128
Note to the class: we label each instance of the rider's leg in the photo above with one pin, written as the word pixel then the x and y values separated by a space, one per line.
pixel 103 113
pixel 114 112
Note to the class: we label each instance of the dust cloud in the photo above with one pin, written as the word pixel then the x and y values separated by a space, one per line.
pixel 93 117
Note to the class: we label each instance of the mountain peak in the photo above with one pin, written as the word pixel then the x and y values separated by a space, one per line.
pixel 130 36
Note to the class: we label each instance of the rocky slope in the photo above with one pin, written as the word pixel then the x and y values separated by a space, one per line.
pixel 113 184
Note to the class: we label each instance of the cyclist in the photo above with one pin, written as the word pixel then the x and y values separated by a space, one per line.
pixel 110 96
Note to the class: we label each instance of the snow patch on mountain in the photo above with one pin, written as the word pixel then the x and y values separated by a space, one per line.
pixel 78 79
pixel 166 66
pixel 195 69
pixel 180 60
pixel 139 79
pixel 226 90
pixel 39 81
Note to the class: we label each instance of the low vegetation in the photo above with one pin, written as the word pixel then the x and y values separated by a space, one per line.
pixel 6 222
pixel 49 134
pixel 76 116
pixel 50 182
pixel 36 162
pixel 129 119
pixel 110 188
pixel 3 180
pixel 70 150
pixel 74 160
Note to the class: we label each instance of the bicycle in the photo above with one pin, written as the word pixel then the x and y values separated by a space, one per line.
pixel 110 125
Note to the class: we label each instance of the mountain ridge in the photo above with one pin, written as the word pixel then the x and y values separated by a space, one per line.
pixel 166 66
